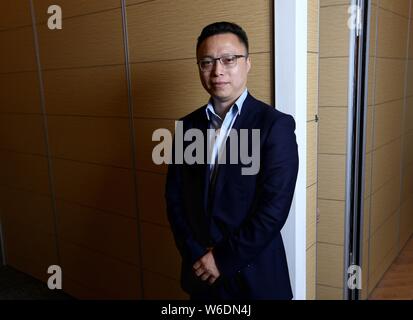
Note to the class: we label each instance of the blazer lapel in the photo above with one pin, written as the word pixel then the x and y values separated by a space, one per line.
pixel 203 125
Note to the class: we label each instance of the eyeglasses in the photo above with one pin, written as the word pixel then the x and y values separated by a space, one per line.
pixel 228 61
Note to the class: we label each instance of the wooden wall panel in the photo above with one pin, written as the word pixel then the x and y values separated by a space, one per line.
pixel 311 220
pixel 159 252
pixel 113 235
pixel 330 264
pixel 260 81
pixel 151 199
pixel 400 7
pixel 408 124
pixel 313 7
pixel 366 219
pixel 389 25
pixel 19 93
pixel 311 272
pixel 373 30
pixel 144 128
pixel 409 86
pixel 133 2
pixel 30 251
pixel 331 222
pixel 365 270
pixel 311 153
pixel 14 14
pixel 110 278
pixel 333 130
pixel 332 176
pixel 377 274
pixel 72 8
pixel 407 182
pixel 386 163
pixel 312 86
pixel 100 187
pixel 408 149
pixel 382 242
pixel 367 176
pixel 159 287
pixel 410 39
pixel 334 33
pixel 89 40
pixel 329 293
pixel 20 54
pixel 369 129
pixel 79 291
pixel 21 207
pixel 406 220
pixel 384 203
pixel 156 31
pixel 97 140
pixel 326 3
pixel 22 133
pixel 371 81
pixel 388 122
pixel 155 97
pixel 97 91
pixel 333 82
pixel 390 77
pixel 25 171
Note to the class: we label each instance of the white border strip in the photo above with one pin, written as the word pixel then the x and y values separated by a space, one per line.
pixel 291 97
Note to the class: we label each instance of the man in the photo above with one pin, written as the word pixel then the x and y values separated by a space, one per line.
pixel 226 223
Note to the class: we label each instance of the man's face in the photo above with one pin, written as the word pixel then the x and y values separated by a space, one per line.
pixel 224 84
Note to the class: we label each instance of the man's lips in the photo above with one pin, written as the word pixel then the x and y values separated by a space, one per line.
pixel 219 84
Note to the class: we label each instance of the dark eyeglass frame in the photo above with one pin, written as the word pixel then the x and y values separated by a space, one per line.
pixel 214 60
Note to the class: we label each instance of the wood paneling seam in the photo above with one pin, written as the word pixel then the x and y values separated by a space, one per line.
pixel 393 12
pixel 328 286
pixel 45 130
pixel 96 66
pixel 105 211
pixel 132 141
pixel 16 28
pixel 103 253
pixel 41 23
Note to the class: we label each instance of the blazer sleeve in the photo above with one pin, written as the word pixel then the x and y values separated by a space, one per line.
pixel 188 246
pixel 275 190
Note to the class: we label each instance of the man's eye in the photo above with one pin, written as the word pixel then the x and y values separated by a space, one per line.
pixel 228 60
pixel 206 62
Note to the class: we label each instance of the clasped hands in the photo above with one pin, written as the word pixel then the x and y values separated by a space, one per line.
pixel 205 268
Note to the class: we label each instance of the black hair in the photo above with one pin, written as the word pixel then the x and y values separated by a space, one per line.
pixel 220 28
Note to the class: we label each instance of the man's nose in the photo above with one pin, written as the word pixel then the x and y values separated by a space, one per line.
pixel 218 68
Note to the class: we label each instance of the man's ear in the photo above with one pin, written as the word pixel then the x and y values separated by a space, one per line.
pixel 248 64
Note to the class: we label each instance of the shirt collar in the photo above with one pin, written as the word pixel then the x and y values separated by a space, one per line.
pixel 238 105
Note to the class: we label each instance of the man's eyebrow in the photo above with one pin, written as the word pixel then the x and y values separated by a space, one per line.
pixel 222 55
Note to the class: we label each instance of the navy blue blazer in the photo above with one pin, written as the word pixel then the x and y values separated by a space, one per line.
pixel 242 216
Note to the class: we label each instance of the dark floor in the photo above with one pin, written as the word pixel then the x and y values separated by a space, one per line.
pixel 15 285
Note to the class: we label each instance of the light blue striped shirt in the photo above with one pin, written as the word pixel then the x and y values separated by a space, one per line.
pixel 223 125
